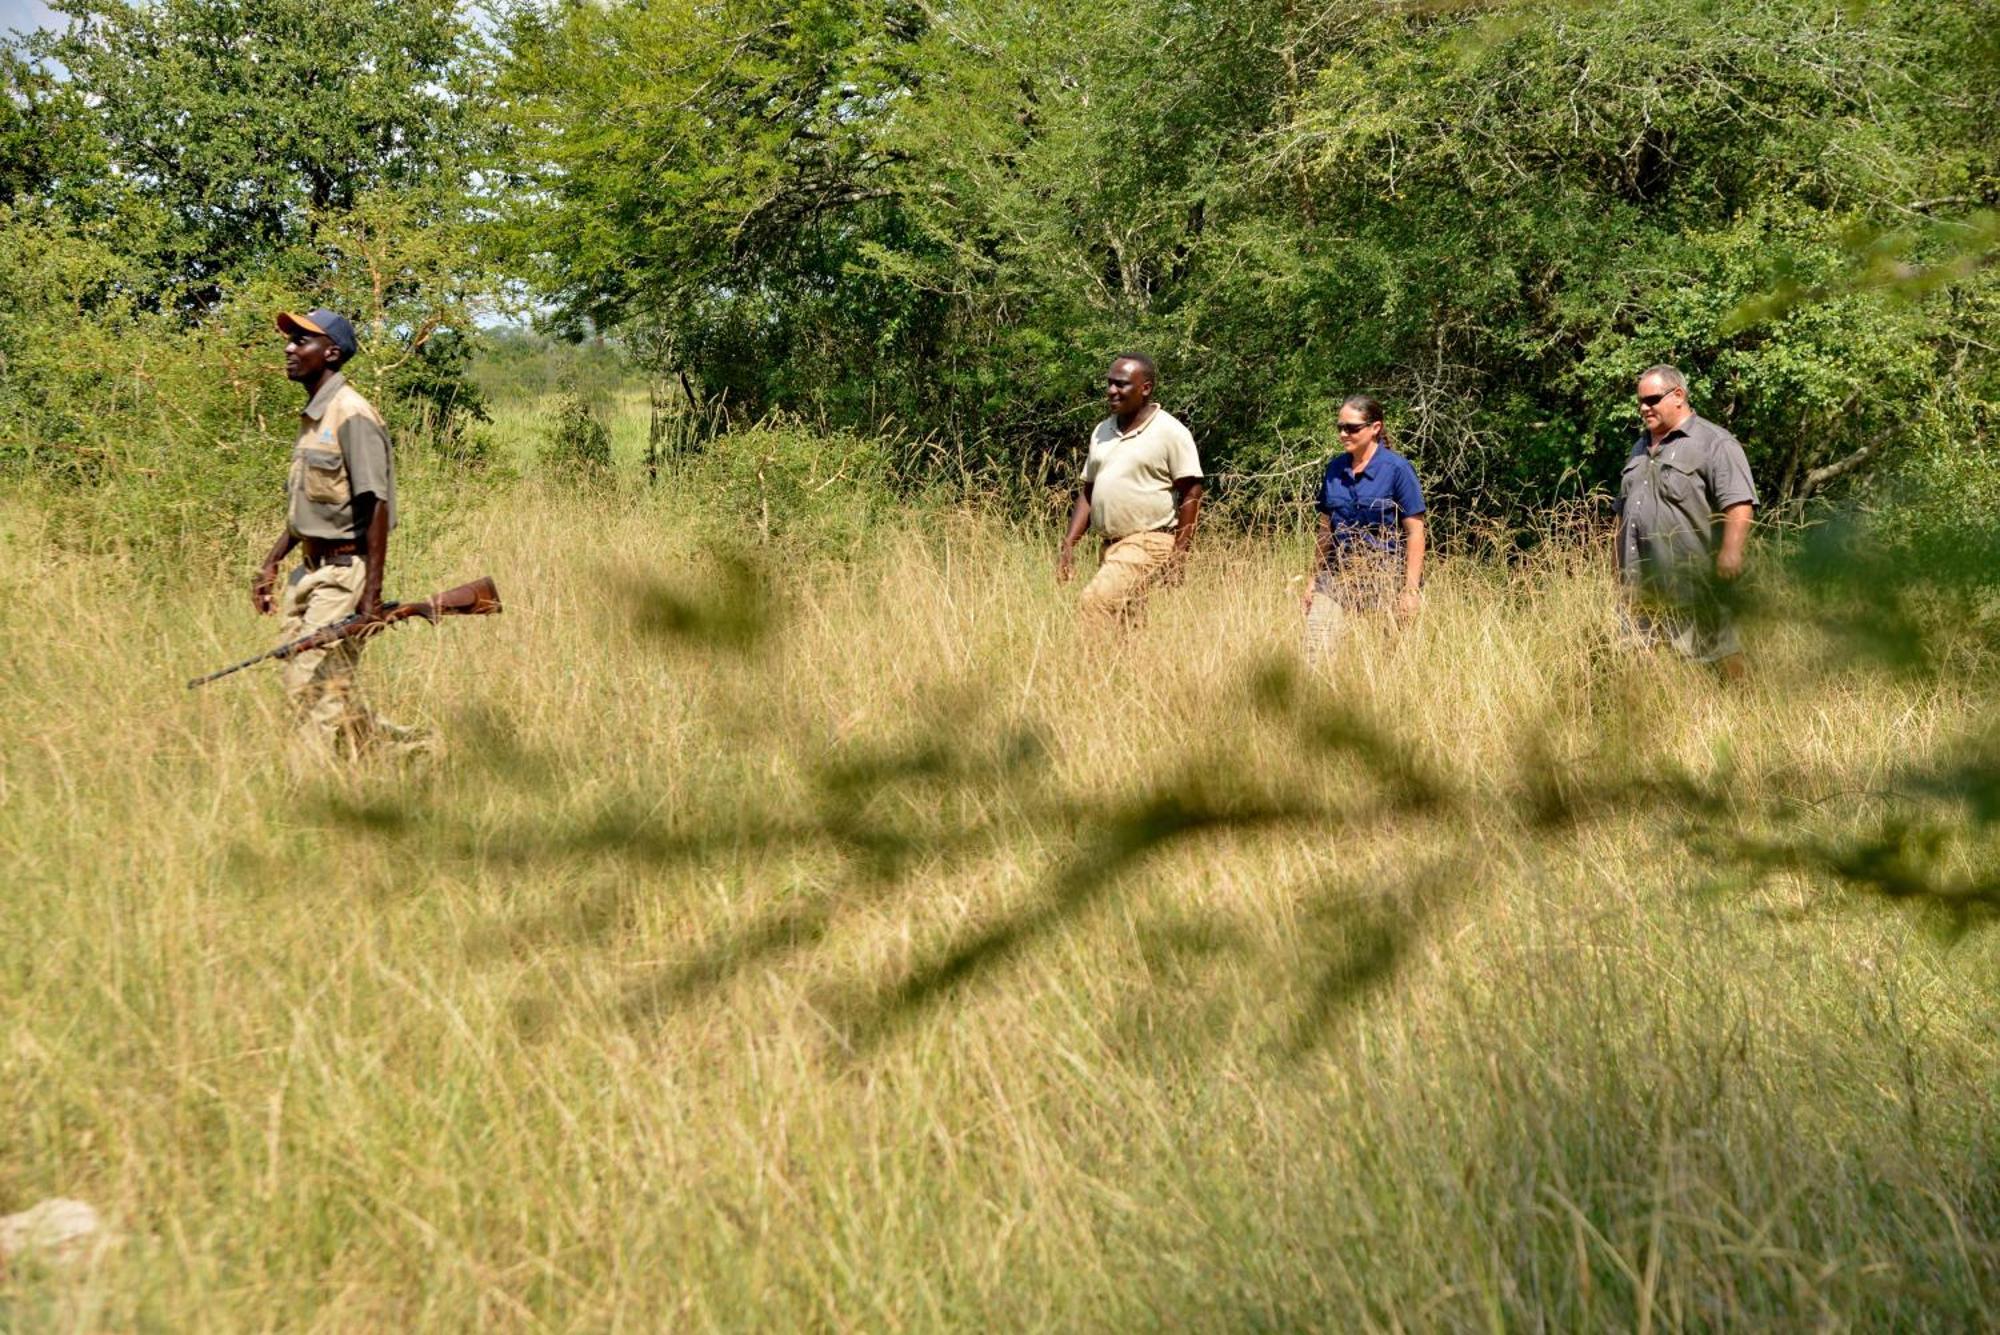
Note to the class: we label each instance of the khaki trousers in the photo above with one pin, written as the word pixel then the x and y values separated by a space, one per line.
pixel 321 682
pixel 1128 572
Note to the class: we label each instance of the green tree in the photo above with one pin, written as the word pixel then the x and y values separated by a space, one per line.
pixel 46 135
pixel 176 172
pixel 948 217
pixel 238 124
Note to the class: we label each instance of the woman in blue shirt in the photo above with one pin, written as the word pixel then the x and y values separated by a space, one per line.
pixel 1369 555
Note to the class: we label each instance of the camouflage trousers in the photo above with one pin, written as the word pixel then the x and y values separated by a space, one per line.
pixel 321 682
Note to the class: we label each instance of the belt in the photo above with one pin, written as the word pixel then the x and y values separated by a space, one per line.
pixel 330 552
pixel 1110 542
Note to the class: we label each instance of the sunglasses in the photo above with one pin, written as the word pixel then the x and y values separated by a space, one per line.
pixel 1352 428
pixel 1652 400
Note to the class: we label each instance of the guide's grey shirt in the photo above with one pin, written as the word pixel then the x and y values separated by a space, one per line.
pixel 1670 505
pixel 342 452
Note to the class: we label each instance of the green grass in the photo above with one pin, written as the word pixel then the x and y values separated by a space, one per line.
pixel 837 940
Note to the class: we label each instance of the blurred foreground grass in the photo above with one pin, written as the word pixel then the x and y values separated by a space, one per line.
pixel 836 940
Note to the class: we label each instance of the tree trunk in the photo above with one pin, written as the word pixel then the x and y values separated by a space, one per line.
pixel 656 426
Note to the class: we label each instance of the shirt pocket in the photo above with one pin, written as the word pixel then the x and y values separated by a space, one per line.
pixel 1681 485
pixel 325 477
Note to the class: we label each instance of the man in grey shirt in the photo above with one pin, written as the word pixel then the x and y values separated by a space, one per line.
pixel 1685 503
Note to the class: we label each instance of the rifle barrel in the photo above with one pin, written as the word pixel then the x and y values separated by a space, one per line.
pixel 318 639
pixel 478 598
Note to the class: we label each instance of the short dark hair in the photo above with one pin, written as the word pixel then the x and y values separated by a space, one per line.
pixel 1144 363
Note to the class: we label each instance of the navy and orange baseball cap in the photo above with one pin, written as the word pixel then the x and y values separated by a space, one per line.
pixel 337 328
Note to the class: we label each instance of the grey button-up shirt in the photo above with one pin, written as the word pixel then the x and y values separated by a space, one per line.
pixel 1670 504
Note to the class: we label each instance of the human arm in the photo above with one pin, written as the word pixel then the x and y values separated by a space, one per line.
pixel 1187 514
pixel 1735 538
pixel 265 581
pixel 372 518
pixel 1409 497
pixel 366 447
pixel 1184 465
pixel 1414 538
pixel 1079 524
pixel 1727 473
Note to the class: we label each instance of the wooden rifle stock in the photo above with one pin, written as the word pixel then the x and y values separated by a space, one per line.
pixel 477 598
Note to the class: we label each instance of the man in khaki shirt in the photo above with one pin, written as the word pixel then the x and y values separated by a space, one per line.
pixel 341 505
pixel 1141 493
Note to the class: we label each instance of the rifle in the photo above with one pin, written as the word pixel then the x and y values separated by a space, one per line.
pixel 479 598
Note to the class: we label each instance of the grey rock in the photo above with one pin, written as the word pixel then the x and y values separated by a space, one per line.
pixel 56 1231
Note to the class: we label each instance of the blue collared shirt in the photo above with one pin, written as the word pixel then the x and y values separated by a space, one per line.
pixel 1368 508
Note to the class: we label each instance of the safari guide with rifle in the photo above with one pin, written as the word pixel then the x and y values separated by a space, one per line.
pixel 342 506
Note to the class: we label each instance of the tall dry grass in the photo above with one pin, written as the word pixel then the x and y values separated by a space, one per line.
pixel 841 941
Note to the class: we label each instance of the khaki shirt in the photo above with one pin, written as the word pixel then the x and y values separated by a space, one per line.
pixel 1131 474
pixel 1670 504
pixel 342 452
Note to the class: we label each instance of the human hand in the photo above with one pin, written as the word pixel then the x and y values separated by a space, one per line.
pixel 1728 565
pixel 369 610
pixel 1065 563
pixel 1174 571
pixel 1409 604
pixel 261 586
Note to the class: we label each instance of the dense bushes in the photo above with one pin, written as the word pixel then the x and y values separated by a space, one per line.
pixel 803 490
pixel 936 223
pixel 1494 216
pixel 173 174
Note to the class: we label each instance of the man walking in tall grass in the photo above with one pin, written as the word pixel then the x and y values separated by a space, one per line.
pixel 1685 502
pixel 1141 493
pixel 342 504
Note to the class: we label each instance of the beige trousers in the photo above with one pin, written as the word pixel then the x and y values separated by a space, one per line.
pixel 1131 566
pixel 1343 599
pixel 321 682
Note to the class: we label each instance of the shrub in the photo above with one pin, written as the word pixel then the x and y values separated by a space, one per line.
pixel 577 442
pixel 791 485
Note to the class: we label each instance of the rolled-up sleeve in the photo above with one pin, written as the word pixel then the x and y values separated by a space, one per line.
pixel 366 446
pixel 1409 497
pixel 1729 480
pixel 1186 460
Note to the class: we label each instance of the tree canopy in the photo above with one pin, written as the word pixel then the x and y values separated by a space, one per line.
pixel 1492 215
pixel 938 220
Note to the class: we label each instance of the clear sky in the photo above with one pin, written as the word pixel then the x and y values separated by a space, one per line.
pixel 26 15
